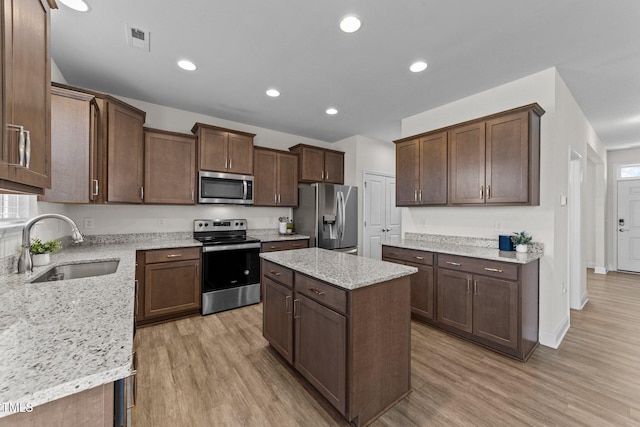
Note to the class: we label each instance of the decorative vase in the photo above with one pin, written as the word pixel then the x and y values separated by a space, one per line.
pixel 521 248
pixel 39 260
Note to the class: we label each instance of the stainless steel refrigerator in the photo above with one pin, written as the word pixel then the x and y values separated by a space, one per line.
pixel 328 213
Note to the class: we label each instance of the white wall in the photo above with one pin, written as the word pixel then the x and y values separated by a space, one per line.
pixel 563 125
pixel 589 218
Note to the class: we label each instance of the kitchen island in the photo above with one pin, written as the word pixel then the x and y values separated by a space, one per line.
pixel 65 337
pixel 344 324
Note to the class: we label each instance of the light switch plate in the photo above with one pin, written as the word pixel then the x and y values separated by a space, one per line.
pixel 89 223
pixel 563 200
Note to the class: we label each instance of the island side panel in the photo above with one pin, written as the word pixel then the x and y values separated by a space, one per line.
pixel 380 348
pixel 530 300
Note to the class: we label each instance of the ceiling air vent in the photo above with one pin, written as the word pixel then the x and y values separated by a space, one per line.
pixel 138 38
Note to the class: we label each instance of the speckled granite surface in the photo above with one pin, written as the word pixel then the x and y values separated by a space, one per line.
pixel 447 247
pixel 60 338
pixel 270 235
pixel 480 242
pixel 340 269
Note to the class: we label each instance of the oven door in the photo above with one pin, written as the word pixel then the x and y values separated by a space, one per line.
pixel 230 266
pixel 225 188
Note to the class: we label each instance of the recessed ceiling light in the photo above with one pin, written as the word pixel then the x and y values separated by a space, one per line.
pixel 416 67
pixel 274 93
pixel 332 111
pixel 187 65
pixel 79 5
pixel 350 24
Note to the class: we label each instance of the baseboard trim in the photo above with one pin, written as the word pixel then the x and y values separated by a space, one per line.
pixel 553 339
pixel 600 270
pixel 585 300
pixel 591 265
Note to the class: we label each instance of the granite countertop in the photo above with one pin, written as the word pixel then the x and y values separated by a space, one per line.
pixel 269 235
pixel 466 250
pixel 340 269
pixel 60 338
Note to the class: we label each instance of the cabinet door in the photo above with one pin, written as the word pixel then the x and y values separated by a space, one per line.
pixel 125 143
pixel 287 171
pixel 495 310
pixel 311 164
pixel 71 143
pixel 169 168
pixel 278 317
pixel 213 151
pixel 321 349
pixel 407 172
pixel 240 154
pixel 27 89
pixel 265 182
pixel 467 164
pixel 433 170
pixel 334 167
pixel 422 295
pixel 171 288
pixel 507 164
pixel 454 307
pixel 139 282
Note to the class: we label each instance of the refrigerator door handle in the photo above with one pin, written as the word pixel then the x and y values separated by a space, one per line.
pixel 340 212
pixel 344 214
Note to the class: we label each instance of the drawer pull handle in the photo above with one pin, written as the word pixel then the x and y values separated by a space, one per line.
pixel 275 273
pixel 287 304
pixel 296 245
pixel 419 257
pixel 272 247
pixel 315 291
pixel 174 255
pixel 495 270
pixel 454 263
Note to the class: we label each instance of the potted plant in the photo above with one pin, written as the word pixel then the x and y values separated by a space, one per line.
pixel 40 251
pixel 521 240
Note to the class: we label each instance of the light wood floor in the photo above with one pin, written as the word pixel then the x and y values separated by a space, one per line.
pixel 218 371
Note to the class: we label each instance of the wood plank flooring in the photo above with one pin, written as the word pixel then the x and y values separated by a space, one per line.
pixel 219 371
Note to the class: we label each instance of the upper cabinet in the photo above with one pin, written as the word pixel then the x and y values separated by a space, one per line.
pixel 25 144
pixel 74 127
pixel 169 167
pixel 494 160
pixel 224 150
pixel 317 164
pixel 276 178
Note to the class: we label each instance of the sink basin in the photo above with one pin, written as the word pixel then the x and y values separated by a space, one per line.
pixel 78 270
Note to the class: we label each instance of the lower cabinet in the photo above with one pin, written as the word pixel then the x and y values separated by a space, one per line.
pixel 169 284
pixel 352 346
pixel 492 303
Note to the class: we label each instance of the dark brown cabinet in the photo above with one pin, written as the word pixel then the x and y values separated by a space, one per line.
pixel 25 144
pixel 494 160
pixel 495 310
pixel 353 346
pixel 170 286
pixel 275 178
pixel 421 171
pixel 169 167
pixel 317 164
pixel 454 306
pixel 74 153
pixel 284 245
pixel 224 150
pixel 422 283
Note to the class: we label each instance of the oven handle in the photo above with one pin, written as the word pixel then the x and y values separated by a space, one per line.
pixel 219 248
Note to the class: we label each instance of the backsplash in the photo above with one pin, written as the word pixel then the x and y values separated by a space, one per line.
pixel 534 247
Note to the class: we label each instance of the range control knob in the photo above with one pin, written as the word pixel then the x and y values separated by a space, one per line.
pixel 200 225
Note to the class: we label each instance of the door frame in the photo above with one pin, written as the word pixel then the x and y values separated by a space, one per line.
pixel 364 205
pixel 577 298
pixel 614 211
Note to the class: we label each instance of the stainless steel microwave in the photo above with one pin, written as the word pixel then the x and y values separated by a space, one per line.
pixel 225 188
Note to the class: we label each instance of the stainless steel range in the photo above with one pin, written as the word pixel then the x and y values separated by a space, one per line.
pixel 231 264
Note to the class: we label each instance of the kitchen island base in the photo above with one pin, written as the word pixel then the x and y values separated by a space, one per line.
pixel 352 345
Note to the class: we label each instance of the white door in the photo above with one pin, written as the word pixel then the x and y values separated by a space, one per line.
pixel 382 219
pixel 628 222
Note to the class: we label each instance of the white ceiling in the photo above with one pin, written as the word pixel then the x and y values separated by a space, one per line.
pixel 243 47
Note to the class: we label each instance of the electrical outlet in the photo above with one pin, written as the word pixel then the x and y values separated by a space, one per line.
pixel 564 288
pixel 89 223
pixel 499 226
pixel 160 221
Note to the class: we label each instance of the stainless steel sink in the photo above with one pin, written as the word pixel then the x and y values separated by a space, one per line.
pixel 78 270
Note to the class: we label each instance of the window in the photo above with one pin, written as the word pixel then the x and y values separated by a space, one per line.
pixel 629 171
pixel 14 209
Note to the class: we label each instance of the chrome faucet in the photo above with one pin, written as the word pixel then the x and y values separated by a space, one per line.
pixel 24 263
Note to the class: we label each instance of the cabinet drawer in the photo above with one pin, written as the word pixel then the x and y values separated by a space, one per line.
pixel 173 254
pixel 479 266
pixel 409 255
pixel 324 293
pixel 278 273
pixel 284 245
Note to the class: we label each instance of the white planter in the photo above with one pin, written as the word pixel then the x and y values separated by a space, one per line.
pixel 521 248
pixel 39 260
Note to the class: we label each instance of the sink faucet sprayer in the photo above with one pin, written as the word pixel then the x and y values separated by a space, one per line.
pixel 24 263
